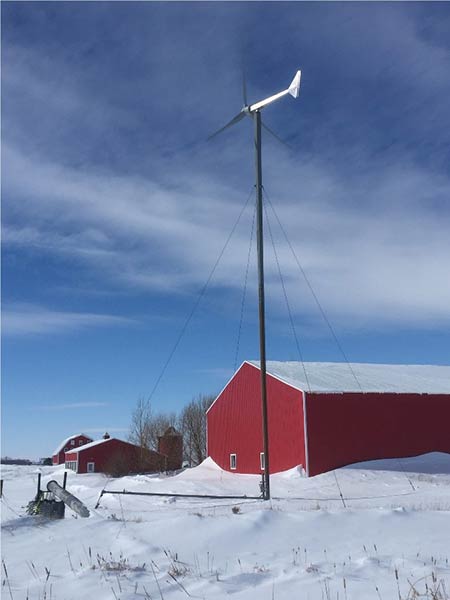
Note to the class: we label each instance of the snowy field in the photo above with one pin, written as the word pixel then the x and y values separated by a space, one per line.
pixel 386 538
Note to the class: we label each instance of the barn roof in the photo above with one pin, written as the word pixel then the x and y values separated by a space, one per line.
pixel 103 441
pixel 92 444
pixel 338 377
pixel 67 440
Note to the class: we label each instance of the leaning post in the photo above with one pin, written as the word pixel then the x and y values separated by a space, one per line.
pixel 68 498
pixel 38 491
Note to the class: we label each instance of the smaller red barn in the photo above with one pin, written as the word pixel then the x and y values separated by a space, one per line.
pixel 116 457
pixel 72 442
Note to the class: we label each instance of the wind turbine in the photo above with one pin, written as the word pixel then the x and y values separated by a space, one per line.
pixel 254 111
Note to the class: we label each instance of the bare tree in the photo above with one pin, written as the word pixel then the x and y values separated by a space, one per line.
pixel 147 426
pixel 140 420
pixel 193 427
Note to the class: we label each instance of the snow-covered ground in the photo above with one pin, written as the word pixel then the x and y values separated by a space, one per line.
pixel 388 533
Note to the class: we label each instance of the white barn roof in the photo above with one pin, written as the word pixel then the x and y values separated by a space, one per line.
pixel 66 442
pixel 338 377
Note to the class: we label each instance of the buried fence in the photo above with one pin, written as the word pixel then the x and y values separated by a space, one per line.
pixel 318 501
pixel 177 495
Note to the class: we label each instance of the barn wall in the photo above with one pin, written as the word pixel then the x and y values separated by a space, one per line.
pixel 353 427
pixel 235 423
pixel 58 459
pixel 71 456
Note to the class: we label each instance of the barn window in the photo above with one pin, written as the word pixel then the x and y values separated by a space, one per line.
pixel 65 449
pixel 233 461
pixel 80 443
pixel 91 467
pixel 72 442
pixel 72 465
pixel 262 461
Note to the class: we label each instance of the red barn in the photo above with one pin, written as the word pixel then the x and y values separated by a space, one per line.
pixel 116 457
pixel 327 415
pixel 74 441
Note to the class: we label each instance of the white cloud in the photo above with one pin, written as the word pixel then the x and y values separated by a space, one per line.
pixel 374 247
pixel 25 319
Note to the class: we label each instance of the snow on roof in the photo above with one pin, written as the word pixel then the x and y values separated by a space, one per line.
pixel 338 377
pixel 90 445
pixel 67 440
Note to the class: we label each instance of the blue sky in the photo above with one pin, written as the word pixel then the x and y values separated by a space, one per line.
pixel 114 208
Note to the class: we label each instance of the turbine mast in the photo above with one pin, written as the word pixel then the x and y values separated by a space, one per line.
pixel 254 111
pixel 262 318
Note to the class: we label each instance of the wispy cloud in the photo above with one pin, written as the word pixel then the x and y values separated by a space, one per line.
pixel 70 406
pixel 373 246
pixel 26 319
pixel 220 372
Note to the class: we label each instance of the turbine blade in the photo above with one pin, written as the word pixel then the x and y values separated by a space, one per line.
pixel 244 87
pixel 277 137
pixel 243 63
pixel 234 120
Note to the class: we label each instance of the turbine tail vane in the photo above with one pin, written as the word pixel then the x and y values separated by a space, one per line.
pixel 294 88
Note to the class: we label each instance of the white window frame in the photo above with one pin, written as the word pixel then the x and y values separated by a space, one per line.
pixel 262 461
pixel 233 462
pixel 93 467
pixel 80 442
pixel 72 442
pixel 72 465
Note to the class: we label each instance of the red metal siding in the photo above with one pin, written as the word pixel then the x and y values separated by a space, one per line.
pixel 351 427
pixel 235 423
pixel 58 459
